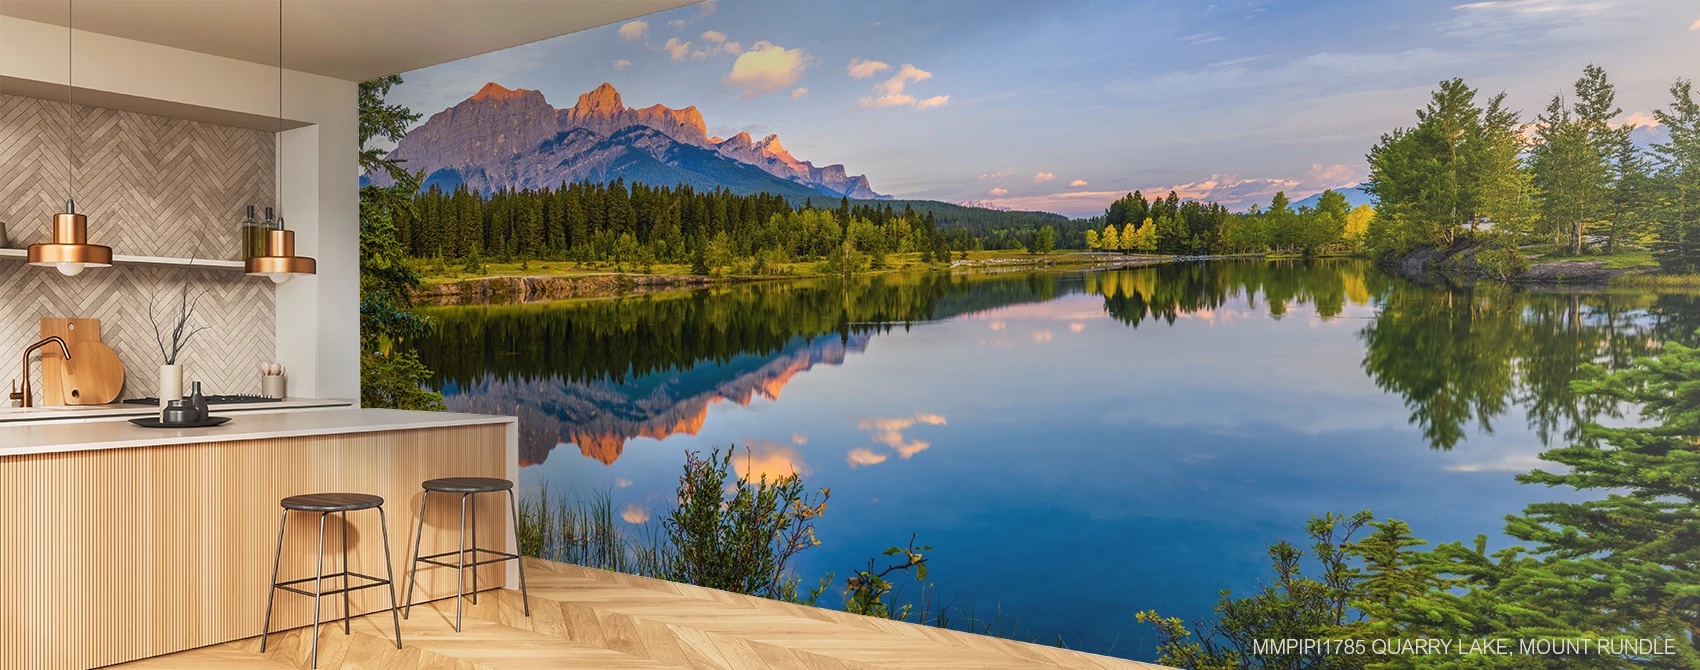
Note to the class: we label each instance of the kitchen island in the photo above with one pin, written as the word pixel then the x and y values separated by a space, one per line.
pixel 119 543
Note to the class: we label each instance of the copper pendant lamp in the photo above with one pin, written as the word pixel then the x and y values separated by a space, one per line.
pixel 280 262
pixel 70 250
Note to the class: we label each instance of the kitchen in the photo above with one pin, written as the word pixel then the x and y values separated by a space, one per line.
pixel 179 297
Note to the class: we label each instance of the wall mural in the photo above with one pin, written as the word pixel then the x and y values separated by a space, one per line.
pixel 1157 330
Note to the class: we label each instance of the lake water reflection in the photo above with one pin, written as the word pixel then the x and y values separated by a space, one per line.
pixel 1076 445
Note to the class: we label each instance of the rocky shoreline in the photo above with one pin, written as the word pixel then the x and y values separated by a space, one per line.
pixel 1430 264
pixel 504 290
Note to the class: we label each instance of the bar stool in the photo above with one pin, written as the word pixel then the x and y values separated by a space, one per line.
pixel 468 488
pixel 326 504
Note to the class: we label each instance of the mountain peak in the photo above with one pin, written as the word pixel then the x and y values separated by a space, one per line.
pixel 495 91
pixel 603 100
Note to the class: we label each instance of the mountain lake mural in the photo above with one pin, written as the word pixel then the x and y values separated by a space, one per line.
pixel 1244 335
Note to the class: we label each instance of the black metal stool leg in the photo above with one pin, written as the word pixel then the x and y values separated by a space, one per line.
pixel 389 572
pixel 460 574
pixel 473 500
pixel 413 567
pixel 271 595
pixel 513 505
pixel 345 608
pixel 319 588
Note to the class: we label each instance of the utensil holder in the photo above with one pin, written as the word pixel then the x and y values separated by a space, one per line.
pixel 273 386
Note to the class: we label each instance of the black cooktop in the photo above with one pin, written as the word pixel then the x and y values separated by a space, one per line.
pixel 211 400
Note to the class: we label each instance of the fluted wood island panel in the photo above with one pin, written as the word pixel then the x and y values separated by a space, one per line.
pixel 114 554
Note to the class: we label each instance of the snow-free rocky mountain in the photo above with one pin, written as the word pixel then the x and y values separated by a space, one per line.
pixel 512 138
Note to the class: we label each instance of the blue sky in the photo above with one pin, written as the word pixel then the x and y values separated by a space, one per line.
pixel 1062 106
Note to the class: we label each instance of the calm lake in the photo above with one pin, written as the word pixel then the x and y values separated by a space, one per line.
pixel 1077 446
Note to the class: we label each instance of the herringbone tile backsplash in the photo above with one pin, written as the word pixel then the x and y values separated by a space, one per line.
pixel 151 186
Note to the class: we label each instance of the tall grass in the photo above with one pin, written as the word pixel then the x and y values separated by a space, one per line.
pixel 584 531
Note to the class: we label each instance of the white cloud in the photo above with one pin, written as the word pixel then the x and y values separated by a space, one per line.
pixel 863 456
pixel 1077 183
pixel 799 92
pixel 891 92
pixel 1043 177
pixel 714 36
pixel 633 514
pixel 622 482
pixel 862 69
pixel 677 49
pixel 622 64
pixel 998 190
pixel 1201 38
pixel 799 439
pixel 676 23
pixel 906 75
pixel 997 175
pixel 767 68
pixel 889 432
pixel 634 30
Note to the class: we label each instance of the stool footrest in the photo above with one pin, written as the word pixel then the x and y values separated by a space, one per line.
pixel 501 557
pixel 372 582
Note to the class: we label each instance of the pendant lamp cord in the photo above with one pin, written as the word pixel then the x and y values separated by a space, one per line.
pixel 278 197
pixel 70 114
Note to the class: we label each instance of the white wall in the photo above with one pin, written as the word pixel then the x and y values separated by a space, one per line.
pixel 318 317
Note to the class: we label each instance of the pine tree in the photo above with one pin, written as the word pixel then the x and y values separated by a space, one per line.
pixel 1678 182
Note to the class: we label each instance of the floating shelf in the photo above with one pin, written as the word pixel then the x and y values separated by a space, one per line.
pixel 158 261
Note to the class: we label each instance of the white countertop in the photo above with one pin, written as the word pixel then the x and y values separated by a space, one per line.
pixel 84 412
pixel 62 436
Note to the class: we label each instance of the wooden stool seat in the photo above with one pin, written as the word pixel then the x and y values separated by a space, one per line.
pixel 467 485
pixel 332 502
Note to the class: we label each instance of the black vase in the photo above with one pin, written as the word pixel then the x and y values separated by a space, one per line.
pixel 199 403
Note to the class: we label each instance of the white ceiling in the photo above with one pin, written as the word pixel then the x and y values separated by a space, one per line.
pixel 353 40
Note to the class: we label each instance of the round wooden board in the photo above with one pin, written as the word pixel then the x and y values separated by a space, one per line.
pixel 93 376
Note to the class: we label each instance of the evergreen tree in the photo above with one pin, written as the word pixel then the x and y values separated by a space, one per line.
pixel 1677 186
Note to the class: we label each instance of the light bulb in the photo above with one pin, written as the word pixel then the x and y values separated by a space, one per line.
pixel 69 269
pixel 280 278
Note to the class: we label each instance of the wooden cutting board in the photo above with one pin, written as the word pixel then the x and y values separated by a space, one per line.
pixel 53 361
pixel 93 376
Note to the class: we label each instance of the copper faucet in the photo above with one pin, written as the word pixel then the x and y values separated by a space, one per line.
pixel 25 394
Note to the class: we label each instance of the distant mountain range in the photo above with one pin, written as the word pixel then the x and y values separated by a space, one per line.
pixel 512 138
pixel 1355 196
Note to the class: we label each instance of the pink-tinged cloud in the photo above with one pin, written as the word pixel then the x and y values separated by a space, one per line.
pixel 1043 177
pixel 633 31
pixel 765 458
pixel 1077 326
pixel 1695 26
pixel 862 69
pixel 996 326
pixel 634 515
pixel 861 457
pixel 892 92
pixel 998 191
pixel 714 36
pixel 1637 119
pixel 889 432
pixel 1077 183
pixel 676 23
pixel 799 439
pixel 622 64
pixel 677 49
pixel 1042 336
pixel 767 68
pixel 997 175
pixel 1231 191
pixel 799 92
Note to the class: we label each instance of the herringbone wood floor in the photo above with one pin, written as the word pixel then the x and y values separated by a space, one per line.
pixel 584 618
